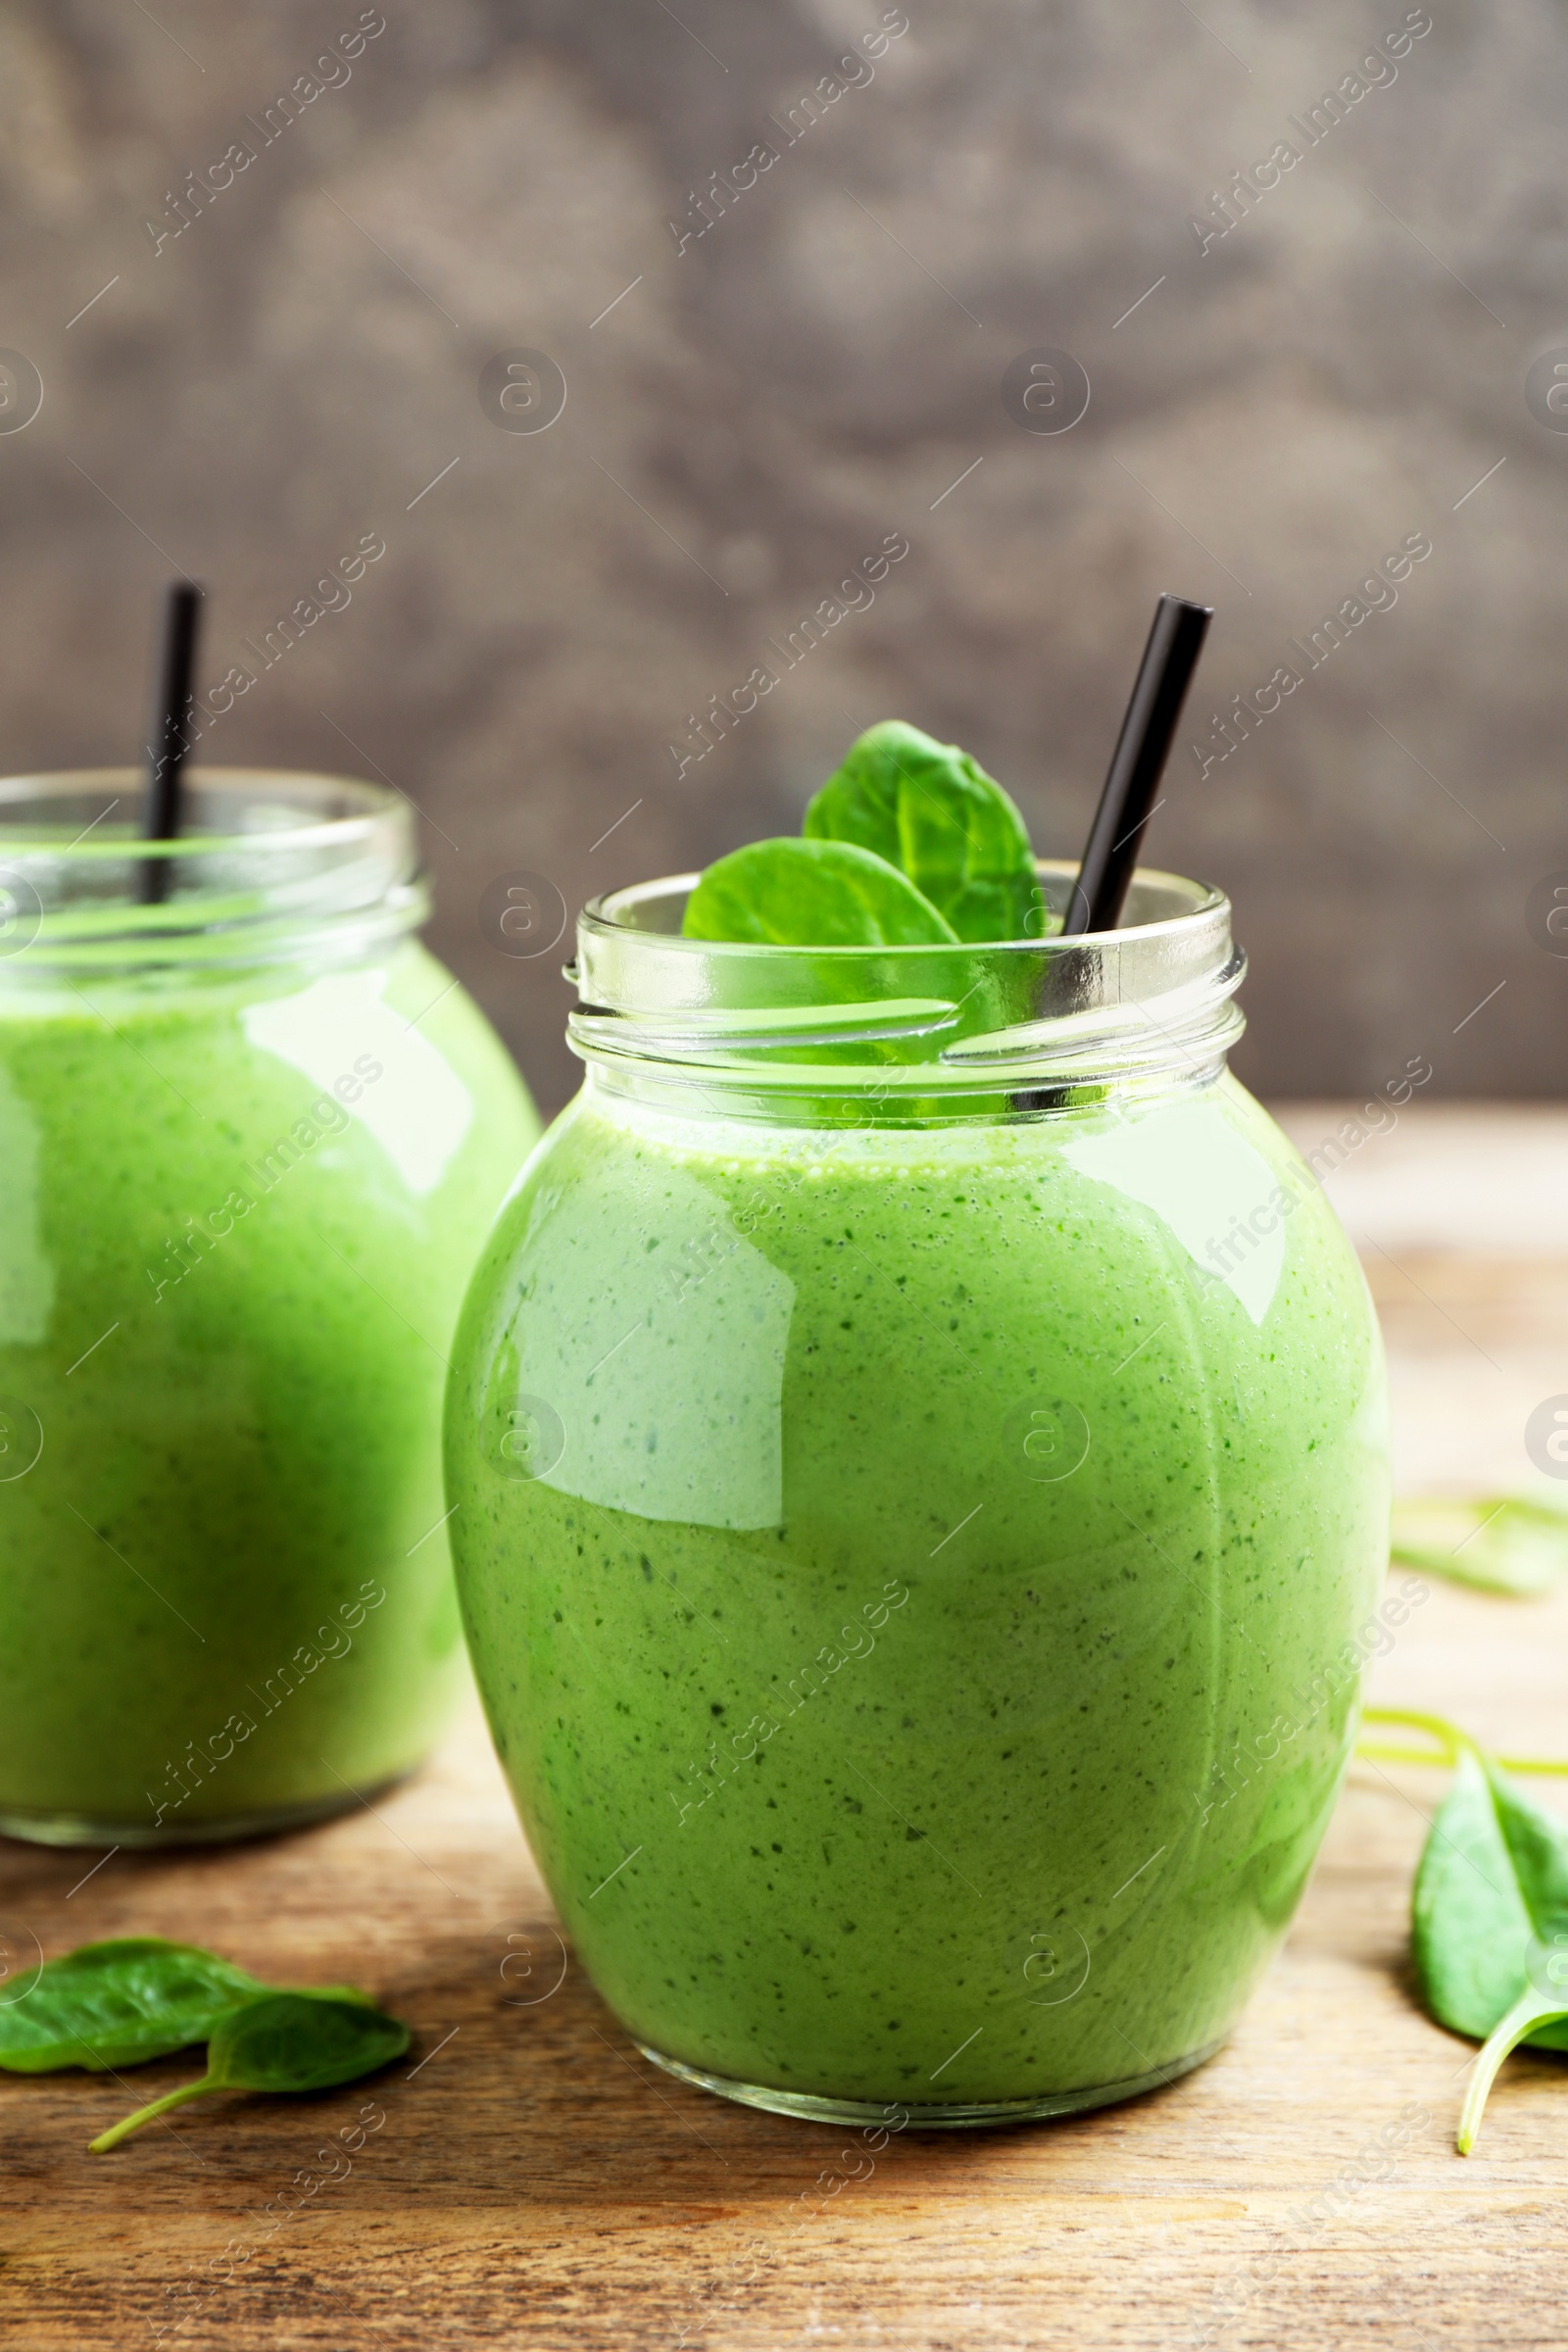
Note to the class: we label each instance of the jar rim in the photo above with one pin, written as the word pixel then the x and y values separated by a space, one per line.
pixel 63 784
pixel 606 915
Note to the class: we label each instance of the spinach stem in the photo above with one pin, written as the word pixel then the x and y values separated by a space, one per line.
pixel 1448 1737
pixel 1529 2011
pixel 144 2115
pixel 1452 1740
pixel 1371 1751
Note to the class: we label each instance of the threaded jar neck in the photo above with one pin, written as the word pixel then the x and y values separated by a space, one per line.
pixel 934 1034
pixel 269 867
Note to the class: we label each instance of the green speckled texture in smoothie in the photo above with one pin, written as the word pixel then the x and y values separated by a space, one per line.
pixel 911 1585
pixel 240 1405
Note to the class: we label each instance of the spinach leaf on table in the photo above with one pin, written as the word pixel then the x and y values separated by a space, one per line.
pixel 1489 1922
pixel 117 2003
pixel 931 811
pixel 120 2004
pixel 284 2041
pixel 811 893
pixel 1493 1881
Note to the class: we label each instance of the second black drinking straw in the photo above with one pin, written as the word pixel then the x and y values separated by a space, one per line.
pixel 169 740
pixel 1137 764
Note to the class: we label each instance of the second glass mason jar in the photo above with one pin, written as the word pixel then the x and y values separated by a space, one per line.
pixel 250 1134
pixel 917 1445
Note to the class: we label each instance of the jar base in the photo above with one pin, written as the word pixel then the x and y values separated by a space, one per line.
pixel 952 2115
pixel 77 1828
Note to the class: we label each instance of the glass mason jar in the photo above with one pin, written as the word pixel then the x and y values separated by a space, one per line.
pixel 249 1135
pixel 918 1442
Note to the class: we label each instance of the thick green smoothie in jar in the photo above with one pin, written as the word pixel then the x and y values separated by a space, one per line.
pixel 239 1193
pixel 915 1573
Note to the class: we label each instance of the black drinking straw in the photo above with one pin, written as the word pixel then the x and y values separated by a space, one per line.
pixel 1137 764
pixel 168 744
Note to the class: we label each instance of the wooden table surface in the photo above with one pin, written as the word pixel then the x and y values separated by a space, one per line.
pixel 535 2183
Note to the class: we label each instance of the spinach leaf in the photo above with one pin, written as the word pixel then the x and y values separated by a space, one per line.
pixel 811 893
pixel 1489 1922
pixel 115 2004
pixel 932 811
pixel 1502 1543
pixel 285 2042
pixel 123 2002
pixel 1493 1883
pixel 1490 1914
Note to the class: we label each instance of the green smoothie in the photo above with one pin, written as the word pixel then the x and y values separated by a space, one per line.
pixel 915 1576
pixel 237 1208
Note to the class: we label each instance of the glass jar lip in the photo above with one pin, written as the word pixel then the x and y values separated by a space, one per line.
pixel 126 785
pixel 606 915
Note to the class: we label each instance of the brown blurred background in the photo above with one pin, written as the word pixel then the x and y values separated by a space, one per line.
pixel 751 413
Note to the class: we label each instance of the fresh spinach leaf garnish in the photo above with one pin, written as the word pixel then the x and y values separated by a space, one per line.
pixel 285 2042
pixel 909 844
pixel 812 894
pixel 118 2003
pixel 931 811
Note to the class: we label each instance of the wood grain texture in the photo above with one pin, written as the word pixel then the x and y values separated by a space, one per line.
pixel 535 2183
